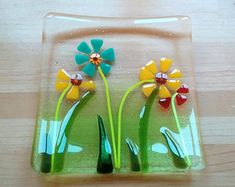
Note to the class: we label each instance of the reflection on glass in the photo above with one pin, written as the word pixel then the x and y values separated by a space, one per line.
pixel 162 20
pixel 195 135
pixel 159 148
pixel 47 141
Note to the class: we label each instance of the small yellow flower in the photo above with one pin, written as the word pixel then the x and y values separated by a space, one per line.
pixel 166 81
pixel 63 80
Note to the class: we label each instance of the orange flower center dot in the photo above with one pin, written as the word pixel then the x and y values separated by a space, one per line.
pixel 161 78
pixel 76 79
pixel 95 58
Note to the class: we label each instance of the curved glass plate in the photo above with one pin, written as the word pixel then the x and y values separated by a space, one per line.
pixel 136 41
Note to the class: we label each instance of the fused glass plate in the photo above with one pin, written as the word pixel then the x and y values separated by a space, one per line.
pixel 117 96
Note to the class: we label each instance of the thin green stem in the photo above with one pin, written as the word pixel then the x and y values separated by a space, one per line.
pixel 60 101
pixel 179 128
pixel 110 114
pixel 120 116
pixel 56 119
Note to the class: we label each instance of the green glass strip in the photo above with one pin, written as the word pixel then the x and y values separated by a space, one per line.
pixel 133 150
pixel 69 118
pixel 46 158
pixel 68 121
pixel 120 111
pixel 143 131
pixel 58 105
pixel 60 101
pixel 109 107
pixel 104 164
pixel 179 158
pixel 179 128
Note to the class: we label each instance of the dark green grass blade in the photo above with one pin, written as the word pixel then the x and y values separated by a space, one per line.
pixel 175 148
pixel 104 164
pixel 46 158
pixel 133 150
pixel 143 131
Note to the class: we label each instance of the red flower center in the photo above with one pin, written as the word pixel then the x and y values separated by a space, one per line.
pixel 161 78
pixel 76 79
pixel 95 58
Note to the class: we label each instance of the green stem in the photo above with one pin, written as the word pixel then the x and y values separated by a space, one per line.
pixel 60 101
pixel 144 129
pixel 65 131
pixel 110 114
pixel 120 116
pixel 57 117
pixel 179 128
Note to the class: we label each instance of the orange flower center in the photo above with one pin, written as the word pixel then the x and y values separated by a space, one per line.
pixel 76 79
pixel 96 59
pixel 161 78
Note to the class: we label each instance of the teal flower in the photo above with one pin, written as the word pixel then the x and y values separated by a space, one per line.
pixel 96 57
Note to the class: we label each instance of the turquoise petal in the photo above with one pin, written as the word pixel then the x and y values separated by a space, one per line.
pixel 80 59
pixel 96 44
pixel 105 68
pixel 89 69
pixel 108 55
pixel 84 48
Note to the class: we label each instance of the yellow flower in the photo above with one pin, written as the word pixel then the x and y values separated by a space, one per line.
pixel 63 80
pixel 166 81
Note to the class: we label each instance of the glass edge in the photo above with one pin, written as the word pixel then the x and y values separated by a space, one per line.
pixel 49 15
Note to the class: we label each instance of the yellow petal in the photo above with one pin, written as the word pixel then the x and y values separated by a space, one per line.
pixel 88 85
pixel 165 64
pixel 173 84
pixel 73 93
pixel 176 73
pixel 148 89
pixel 61 85
pixel 164 92
pixel 152 67
pixel 145 74
pixel 63 75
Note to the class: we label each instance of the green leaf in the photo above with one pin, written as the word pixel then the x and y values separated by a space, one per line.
pixel 175 148
pixel 66 127
pixel 133 150
pixel 104 164
pixel 71 115
pixel 143 131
